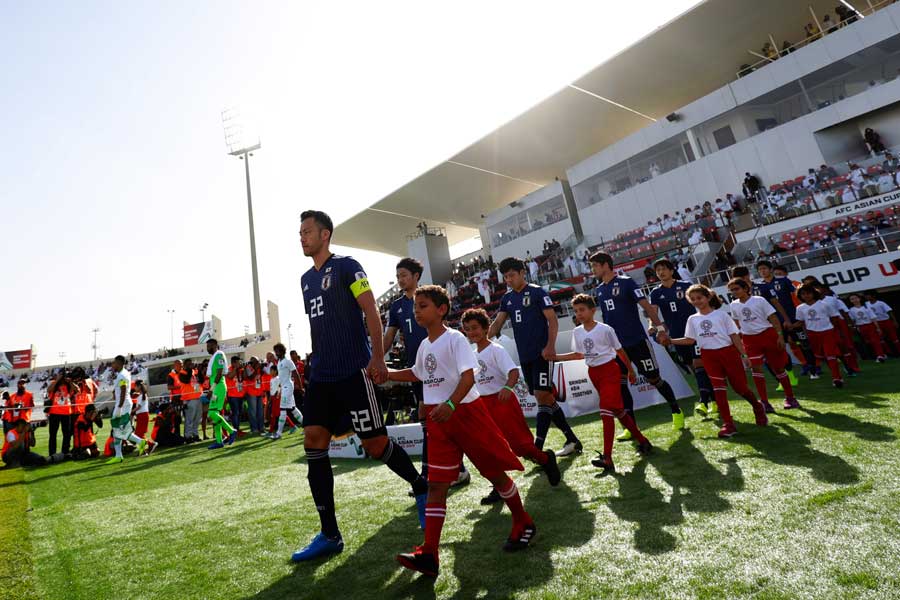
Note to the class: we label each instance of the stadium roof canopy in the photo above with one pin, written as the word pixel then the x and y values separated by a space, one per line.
pixel 683 60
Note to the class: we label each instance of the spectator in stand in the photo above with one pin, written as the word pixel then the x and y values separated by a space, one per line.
pixel 786 48
pixel 812 32
pixel 696 237
pixel 769 51
pixel 751 188
pixel 571 267
pixel 873 141
pixel 810 181
pixel 734 202
pixel 846 15
pixel 886 182
pixel 451 288
pixel 828 26
pixel 825 196
pixel 484 287
pixel 827 172
pixel 869 186
pixel 546 248
pixel 890 162
pixel 533 270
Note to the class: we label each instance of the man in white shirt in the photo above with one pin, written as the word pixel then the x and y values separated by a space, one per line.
pixel 121 413
pixel 533 270
pixel 886 183
pixel 696 237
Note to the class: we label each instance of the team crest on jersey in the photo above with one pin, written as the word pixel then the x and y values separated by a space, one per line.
pixel 679 294
pixel 326 282
pixel 615 290
pixel 526 301
pixel 328 269
pixel 706 326
pixel 430 364
pixel 588 346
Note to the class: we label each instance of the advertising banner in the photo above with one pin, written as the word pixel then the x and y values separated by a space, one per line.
pixel 15 359
pixel 409 436
pixel 197 333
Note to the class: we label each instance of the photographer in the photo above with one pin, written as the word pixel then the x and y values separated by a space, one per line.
pixel 84 438
pixel 166 426
pixel 16 446
pixel 60 409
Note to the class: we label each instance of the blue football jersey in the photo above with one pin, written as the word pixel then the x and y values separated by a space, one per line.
pixel 674 306
pixel 782 289
pixel 401 316
pixel 340 341
pixel 525 311
pixel 618 301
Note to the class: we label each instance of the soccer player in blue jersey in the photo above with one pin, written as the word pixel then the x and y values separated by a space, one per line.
pixel 534 328
pixel 402 319
pixel 671 300
pixel 619 298
pixel 781 287
pixel 336 295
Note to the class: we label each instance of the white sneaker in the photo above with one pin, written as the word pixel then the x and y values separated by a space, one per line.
pixel 569 448
pixel 813 376
pixel 462 479
pixel 275 436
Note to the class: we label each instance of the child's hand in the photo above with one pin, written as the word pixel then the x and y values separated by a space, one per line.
pixel 632 377
pixel 505 395
pixel 441 413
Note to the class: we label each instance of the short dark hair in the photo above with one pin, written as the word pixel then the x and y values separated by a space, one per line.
pixel 763 263
pixel 436 294
pixel 235 359
pixel 602 258
pixel 585 299
pixel 740 282
pixel 664 262
pixel 811 279
pixel 780 268
pixel 412 265
pixel 89 408
pixel 212 341
pixel 119 358
pixel 294 352
pixel 479 315
pixel 279 345
pixel 321 219
pixel 811 289
pixel 740 271
pixel 511 263
pixel 20 422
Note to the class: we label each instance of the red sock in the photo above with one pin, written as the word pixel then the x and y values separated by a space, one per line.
pixel 510 495
pixel 609 431
pixel 850 360
pixel 535 454
pixel 759 380
pixel 434 522
pixel 628 423
pixel 785 384
pixel 833 367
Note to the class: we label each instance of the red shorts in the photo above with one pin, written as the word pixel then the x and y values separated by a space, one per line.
pixel 470 431
pixel 141 420
pixel 763 346
pixel 607 379
pixel 888 330
pixel 824 344
pixel 510 421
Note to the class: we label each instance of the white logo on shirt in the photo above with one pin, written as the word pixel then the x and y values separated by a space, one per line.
pixel 526 301
pixel 326 282
pixel 305 288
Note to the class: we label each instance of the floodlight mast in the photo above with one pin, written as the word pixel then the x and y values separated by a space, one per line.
pixel 237 147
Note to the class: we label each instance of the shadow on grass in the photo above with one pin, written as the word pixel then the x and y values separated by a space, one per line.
pixel 781 444
pixel 562 521
pixel 697 486
pixel 864 430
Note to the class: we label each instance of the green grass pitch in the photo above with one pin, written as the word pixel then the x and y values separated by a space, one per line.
pixel 805 508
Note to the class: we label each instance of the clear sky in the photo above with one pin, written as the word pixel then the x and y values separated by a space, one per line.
pixel 120 202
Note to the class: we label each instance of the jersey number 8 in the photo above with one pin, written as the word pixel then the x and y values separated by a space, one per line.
pixel 673 307
pixel 315 307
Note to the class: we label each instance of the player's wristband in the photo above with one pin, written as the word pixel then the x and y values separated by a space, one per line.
pixel 450 402
pixel 506 387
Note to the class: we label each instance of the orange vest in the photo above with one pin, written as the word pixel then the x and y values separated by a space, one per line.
pixel 233 383
pixel 27 401
pixel 174 382
pixel 191 390
pixel 62 401
pixel 253 385
pixel 6 443
pixel 266 382
pixel 84 438
pixel 85 396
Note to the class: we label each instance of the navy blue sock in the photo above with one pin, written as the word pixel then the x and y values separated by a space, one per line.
pixel 398 461
pixel 663 387
pixel 704 385
pixel 321 484
pixel 627 399
pixel 559 419
pixel 543 425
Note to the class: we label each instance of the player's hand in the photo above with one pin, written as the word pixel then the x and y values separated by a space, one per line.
pixel 662 338
pixel 377 370
pixel 632 377
pixel 441 413
pixel 505 395
pixel 548 353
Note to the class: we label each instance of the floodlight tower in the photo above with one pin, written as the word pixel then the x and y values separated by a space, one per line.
pixel 242 144
pixel 95 331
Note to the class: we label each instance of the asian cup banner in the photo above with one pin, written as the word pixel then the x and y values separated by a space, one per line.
pixel 197 333
pixel 15 359
pixel 409 436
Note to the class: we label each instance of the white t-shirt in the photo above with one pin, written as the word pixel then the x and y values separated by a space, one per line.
pixel 285 367
pixel 880 309
pixel 143 404
pixel 817 316
pixel 598 345
pixel 862 315
pixel 752 315
pixel 836 303
pixel 274 386
pixel 439 365
pixel 494 365
pixel 122 380
pixel 712 331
